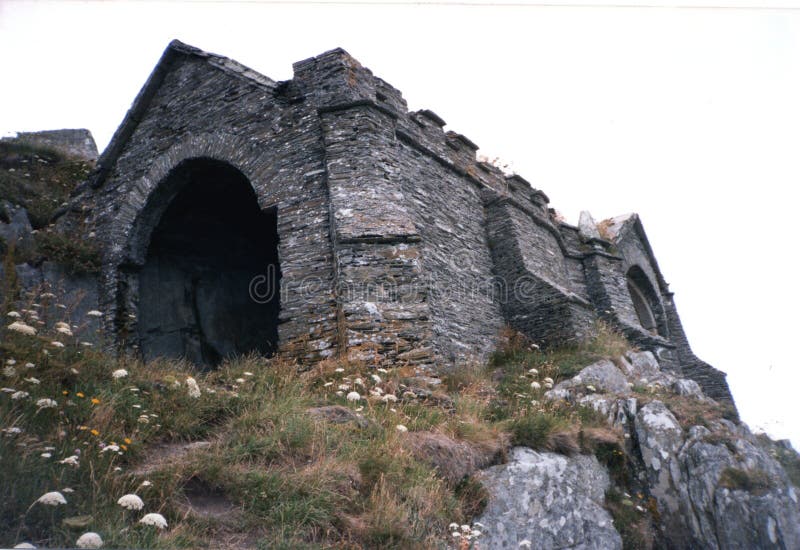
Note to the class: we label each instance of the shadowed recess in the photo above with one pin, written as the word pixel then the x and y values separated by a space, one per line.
pixel 212 240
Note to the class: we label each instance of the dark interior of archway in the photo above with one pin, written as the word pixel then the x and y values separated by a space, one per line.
pixel 194 288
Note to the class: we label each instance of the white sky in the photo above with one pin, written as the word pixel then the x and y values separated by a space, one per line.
pixel 689 116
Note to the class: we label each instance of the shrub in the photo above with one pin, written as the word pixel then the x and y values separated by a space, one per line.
pixel 752 481
pixel 75 255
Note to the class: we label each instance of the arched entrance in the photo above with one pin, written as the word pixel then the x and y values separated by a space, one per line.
pixel 645 302
pixel 210 241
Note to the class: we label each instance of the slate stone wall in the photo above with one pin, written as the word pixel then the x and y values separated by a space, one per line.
pixel 206 108
pixel 395 242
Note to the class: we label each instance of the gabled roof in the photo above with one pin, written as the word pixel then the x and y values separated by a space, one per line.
pixel 175 52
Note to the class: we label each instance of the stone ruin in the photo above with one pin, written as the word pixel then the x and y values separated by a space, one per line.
pixel 318 216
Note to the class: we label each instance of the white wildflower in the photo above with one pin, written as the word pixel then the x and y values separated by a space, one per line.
pixel 240 380
pixel 247 373
pixel 591 388
pixel 456 535
pixel 389 397
pixel 46 403
pixel 45 455
pixel 117 469
pixel 156 520
pixel 11 361
pixel 94 313
pixel 384 371
pixel 535 385
pixel 13 430
pixel 19 395
pixel 32 380
pixel 112 448
pixel 533 372
pixel 56 344
pixel 466 528
pixel 145 483
pixel 7 390
pixel 143 419
pixel 353 396
pixel 24 545
pixel 61 324
pixel 548 380
pixel 9 371
pixel 89 540
pixel 359 409
pixel 131 502
pixel 340 369
pixel 73 370
pixel 339 393
pixel 344 387
pixel 377 392
pixel 14 314
pixel 30 366
pixel 358 382
pixel 376 378
pixel 119 373
pixel 53 498
pixel 67 490
pixel 22 328
pixel 327 384
pixel 47 295
pixel 194 389
pixel 548 385
pixel 524 544
pixel 87 344
pixel 64 330
pixel 400 428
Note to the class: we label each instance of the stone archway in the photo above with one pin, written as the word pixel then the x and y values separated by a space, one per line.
pixel 208 240
pixel 646 302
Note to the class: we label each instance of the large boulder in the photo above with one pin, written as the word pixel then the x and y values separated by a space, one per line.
pixel 548 500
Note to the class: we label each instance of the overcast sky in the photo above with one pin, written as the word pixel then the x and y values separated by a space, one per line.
pixel 689 116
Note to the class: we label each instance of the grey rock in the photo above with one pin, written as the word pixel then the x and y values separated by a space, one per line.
pixel 588 227
pixel 17 232
pixel 716 488
pixel 603 375
pixel 687 388
pixel 552 500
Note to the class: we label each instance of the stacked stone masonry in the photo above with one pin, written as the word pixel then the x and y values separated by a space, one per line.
pixel 391 241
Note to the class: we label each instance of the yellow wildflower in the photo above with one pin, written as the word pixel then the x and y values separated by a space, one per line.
pixel 128 441
pixel 95 401
pixel 95 432
pixel 80 394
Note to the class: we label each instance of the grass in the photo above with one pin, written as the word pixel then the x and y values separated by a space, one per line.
pixel 75 255
pixel 39 179
pixel 290 480
pixel 752 481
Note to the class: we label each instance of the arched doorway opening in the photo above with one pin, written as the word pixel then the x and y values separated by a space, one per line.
pixel 645 302
pixel 209 243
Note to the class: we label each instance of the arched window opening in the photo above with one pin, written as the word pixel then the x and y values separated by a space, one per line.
pixel 646 302
pixel 209 246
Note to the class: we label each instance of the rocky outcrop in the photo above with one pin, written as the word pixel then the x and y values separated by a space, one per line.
pixel 714 484
pixel 547 500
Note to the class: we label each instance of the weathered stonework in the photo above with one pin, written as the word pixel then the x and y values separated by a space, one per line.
pixel 392 241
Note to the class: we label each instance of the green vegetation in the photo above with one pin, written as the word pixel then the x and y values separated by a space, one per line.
pixel 95 428
pixel 752 481
pixel 38 179
pixel 75 255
